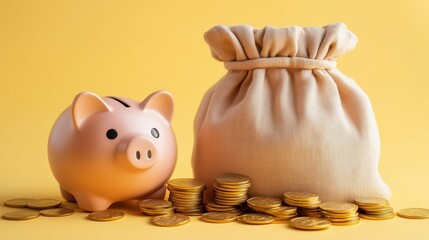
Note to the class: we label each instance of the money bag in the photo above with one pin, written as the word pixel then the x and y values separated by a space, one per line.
pixel 286 116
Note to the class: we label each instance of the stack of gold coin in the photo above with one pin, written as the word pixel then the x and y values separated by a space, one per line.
pixel 374 208
pixel 272 206
pixel 230 189
pixel 340 213
pixel 307 203
pixel 186 195
pixel 154 207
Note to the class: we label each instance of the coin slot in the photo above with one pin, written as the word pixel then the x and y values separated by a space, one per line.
pixel 120 101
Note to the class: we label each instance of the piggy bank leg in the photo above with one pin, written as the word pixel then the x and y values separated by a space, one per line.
pixel 66 195
pixel 158 194
pixel 92 203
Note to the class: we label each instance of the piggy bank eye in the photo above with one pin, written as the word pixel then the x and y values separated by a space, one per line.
pixel 154 133
pixel 111 134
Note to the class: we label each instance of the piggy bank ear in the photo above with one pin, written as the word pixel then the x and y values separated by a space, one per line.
pixel 160 101
pixel 86 104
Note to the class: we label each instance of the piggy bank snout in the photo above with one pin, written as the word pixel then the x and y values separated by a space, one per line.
pixel 141 152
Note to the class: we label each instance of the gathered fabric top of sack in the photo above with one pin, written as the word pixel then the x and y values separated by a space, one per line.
pixel 243 47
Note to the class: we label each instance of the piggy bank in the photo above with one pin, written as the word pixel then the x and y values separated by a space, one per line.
pixel 110 149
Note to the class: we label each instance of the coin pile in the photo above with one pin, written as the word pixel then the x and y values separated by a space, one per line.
pixel 257 218
pixel 219 217
pixel 47 207
pixel 153 207
pixel 307 203
pixel 272 206
pixel 230 189
pixel 170 220
pixel 107 215
pixel 340 213
pixel 186 195
pixel 310 223
pixel 374 208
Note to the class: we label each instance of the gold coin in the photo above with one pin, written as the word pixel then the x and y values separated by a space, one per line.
pixel 287 210
pixel 56 212
pixel 170 220
pixel 107 215
pixel 356 221
pixel 264 202
pixel 257 218
pixel 377 217
pixel 300 195
pixel 371 201
pixel 219 217
pixel 378 211
pixel 338 207
pixel 231 178
pixel 21 215
pixel 310 223
pixel 414 213
pixel 186 183
pixel 154 203
pixel 72 206
pixel 229 187
pixel 339 215
pixel 17 202
pixel 43 203
pixel 157 212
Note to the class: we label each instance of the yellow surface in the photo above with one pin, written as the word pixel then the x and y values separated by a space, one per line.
pixel 51 50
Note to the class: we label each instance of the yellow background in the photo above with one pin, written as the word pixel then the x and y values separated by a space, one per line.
pixel 51 50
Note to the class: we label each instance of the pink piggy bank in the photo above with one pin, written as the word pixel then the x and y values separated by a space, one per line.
pixel 105 150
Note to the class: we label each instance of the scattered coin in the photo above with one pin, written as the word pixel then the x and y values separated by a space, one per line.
pixel 414 213
pixel 73 206
pixel 107 215
pixel 56 212
pixel 219 217
pixel 17 202
pixel 43 203
pixel 21 215
pixel 310 223
pixel 170 220
pixel 257 218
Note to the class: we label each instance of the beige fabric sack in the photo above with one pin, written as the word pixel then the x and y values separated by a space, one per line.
pixel 285 116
